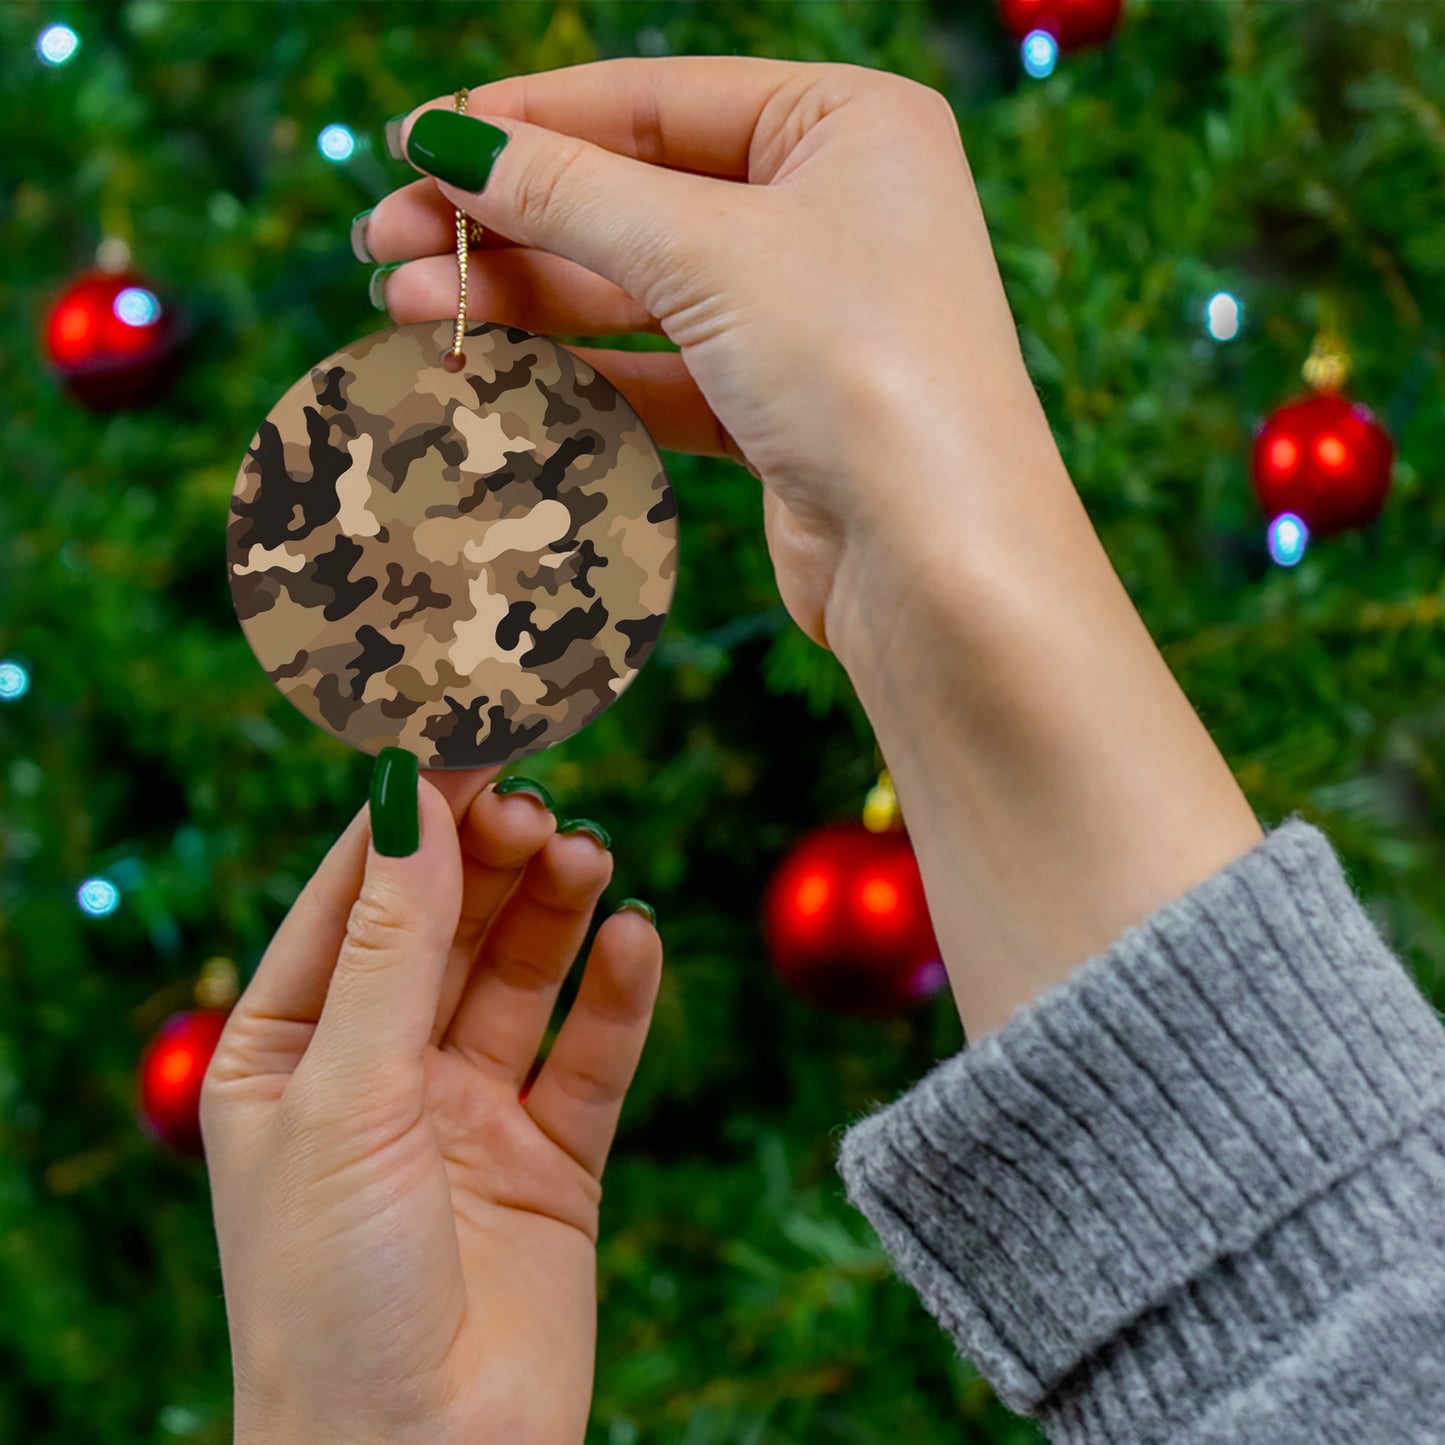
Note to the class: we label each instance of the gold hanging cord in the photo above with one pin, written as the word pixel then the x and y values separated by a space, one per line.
pixel 1328 366
pixel 469 232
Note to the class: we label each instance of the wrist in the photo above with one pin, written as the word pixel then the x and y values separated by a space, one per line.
pixel 1056 783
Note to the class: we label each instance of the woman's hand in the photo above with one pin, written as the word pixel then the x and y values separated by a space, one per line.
pixel 841 302
pixel 408 1246
pixel 810 237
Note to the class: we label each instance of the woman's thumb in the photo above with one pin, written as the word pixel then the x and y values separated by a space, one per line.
pixel 624 219
pixel 382 999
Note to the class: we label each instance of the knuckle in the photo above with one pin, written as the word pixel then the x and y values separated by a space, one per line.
pixel 373 932
pixel 543 186
pixel 521 970
pixel 648 142
pixel 925 102
pixel 587 1085
pixel 848 76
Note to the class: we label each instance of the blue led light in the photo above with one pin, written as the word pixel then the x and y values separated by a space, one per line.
pixel 1040 52
pixel 136 306
pixel 14 681
pixel 336 143
pixel 57 44
pixel 1288 537
pixel 1223 316
pixel 98 897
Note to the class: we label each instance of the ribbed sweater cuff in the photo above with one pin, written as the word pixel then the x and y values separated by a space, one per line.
pixel 1144 1165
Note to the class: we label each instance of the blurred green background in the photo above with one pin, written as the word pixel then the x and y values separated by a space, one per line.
pixel 1287 153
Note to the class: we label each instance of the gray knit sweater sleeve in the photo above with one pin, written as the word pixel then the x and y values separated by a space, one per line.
pixel 1196 1192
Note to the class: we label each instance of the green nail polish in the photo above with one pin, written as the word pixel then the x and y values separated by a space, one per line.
pixel 586 825
pixel 636 905
pixel 376 287
pixel 392 132
pixel 395 820
pixel 525 785
pixel 455 148
pixel 359 247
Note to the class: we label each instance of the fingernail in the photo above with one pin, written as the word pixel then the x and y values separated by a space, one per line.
pixel 525 785
pixel 395 820
pixel 376 287
pixel 456 148
pixel 359 247
pixel 586 825
pixel 392 131
pixel 638 906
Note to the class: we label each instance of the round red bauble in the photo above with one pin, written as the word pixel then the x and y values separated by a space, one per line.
pixel 171 1071
pixel 1073 23
pixel 847 924
pixel 112 341
pixel 1324 458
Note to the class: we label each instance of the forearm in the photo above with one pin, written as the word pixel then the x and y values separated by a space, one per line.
pixel 1057 785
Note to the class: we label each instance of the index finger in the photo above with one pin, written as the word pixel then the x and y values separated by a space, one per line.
pixel 687 112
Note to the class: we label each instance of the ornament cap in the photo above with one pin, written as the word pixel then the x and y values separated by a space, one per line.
pixel 218 986
pixel 1328 365
pixel 881 813
pixel 113 254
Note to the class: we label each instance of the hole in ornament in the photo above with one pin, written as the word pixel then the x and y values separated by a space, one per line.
pixel 454 360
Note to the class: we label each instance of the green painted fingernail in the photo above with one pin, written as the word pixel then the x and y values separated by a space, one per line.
pixel 638 906
pixel 586 825
pixel 525 785
pixel 392 131
pixel 456 148
pixel 395 820
pixel 376 288
pixel 359 247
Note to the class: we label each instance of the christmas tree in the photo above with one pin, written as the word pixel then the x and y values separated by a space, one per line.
pixel 1180 213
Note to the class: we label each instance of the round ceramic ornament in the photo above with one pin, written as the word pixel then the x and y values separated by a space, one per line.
pixel 453 538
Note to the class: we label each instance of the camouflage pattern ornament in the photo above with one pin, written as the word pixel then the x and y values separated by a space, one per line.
pixel 469 563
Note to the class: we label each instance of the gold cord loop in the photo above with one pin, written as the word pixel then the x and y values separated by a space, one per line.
pixel 469 232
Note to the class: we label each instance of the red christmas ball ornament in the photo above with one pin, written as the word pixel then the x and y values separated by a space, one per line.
pixel 171 1071
pixel 111 340
pixel 847 924
pixel 1073 23
pixel 1324 458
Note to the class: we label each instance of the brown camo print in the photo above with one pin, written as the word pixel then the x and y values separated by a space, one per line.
pixel 468 565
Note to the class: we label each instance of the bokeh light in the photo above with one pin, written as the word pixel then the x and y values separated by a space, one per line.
pixel 813 894
pixel 136 306
pixel 1223 316
pixel 930 977
pixel 1040 52
pixel 57 44
pixel 1282 455
pixel 1288 537
pixel 879 897
pixel 98 897
pixel 14 681
pixel 336 143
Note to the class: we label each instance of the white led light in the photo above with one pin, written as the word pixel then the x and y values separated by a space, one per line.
pixel 136 306
pixel 336 143
pixel 57 44
pixel 14 681
pixel 1288 537
pixel 1040 52
pixel 98 897
pixel 1223 316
